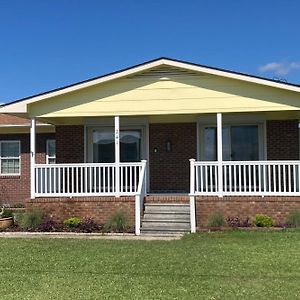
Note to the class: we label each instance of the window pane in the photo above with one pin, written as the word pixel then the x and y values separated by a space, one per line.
pixel 51 148
pixel 244 142
pixel 10 149
pixel 130 145
pixel 103 146
pixel 210 143
pixel 10 166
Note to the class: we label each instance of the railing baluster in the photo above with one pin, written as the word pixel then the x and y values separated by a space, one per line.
pixel 294 178
pixel 289 178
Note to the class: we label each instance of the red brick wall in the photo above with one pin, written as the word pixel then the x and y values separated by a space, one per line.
pixel 169 171
pixel 276 207
pixel 98 208
pixel 70 144
pixel 15 189
pixel 282 139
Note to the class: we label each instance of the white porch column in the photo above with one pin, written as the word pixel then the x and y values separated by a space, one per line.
pixel 220 154
pixel 32 157
pixel 192 196
pixel 117 155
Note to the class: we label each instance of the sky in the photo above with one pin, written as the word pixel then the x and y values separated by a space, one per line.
pixel 46 44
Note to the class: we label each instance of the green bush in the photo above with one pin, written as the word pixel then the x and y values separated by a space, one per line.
pixel 30 219
pixel 118 222
pixel 72 222
pixel 6 213
pixel 216 220
pixel 263 221
pixel 293 219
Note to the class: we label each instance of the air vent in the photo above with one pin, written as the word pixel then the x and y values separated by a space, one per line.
pixel 165 73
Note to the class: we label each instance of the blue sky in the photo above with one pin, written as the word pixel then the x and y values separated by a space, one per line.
pixel 46 44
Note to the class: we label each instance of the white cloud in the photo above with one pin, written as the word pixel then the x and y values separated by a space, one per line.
pixel 280 68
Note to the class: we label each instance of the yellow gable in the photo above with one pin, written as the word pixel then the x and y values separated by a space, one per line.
pixel 167 91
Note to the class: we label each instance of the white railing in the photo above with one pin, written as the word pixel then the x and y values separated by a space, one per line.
pixel 87 179
pixel 261 178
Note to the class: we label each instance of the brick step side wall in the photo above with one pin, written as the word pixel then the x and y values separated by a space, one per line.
pixel 276 207
pixel 100 209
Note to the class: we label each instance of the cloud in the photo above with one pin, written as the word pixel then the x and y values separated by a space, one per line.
pixel 280 68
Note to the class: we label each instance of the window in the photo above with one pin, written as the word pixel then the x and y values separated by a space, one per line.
pixel 104 145
pixel 240 142
pixel 10 157
pixel 51 152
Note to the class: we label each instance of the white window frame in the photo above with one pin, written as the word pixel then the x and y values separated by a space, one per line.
pixel 48 157
pixel 10 157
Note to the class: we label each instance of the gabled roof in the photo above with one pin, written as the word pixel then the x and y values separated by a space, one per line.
pixel 20 106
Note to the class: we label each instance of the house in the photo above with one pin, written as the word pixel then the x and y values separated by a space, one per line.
pixel 166 134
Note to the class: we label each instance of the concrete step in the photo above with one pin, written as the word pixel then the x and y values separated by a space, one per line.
pixel 163 231
pixel 167 216
pixel 167 208
pixel 166 225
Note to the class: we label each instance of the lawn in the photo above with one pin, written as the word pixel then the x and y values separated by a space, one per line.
pixel 220 265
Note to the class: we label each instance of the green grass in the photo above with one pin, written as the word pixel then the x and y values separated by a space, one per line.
pixel 219 265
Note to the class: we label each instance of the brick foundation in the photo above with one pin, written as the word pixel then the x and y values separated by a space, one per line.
pixel 276 207
pixel 99 209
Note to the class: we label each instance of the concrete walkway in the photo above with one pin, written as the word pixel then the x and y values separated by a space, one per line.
pixel 106 236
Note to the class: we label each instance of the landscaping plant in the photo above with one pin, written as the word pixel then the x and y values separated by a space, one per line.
pixel 216 220
pixel 31 219
pixel 236 222
pixel 293 219
pixel 118 222
pixel 72 222
pixel 263 221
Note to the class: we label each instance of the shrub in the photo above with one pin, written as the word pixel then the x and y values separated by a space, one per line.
pixel 6 213
pixel 48 225
pixel 88 225
pixel 237 222
pixel 216 220
pixel 72 222
pixel 118 222
pixel 293 219
pixel 31 219
pixel 263 221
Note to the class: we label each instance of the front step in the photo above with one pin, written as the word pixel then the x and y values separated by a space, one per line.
pixel 166 218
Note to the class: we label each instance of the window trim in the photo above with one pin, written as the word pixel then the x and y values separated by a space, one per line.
pixel 48 157
pixel 10 157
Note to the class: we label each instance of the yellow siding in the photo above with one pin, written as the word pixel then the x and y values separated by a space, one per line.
pixel 181 94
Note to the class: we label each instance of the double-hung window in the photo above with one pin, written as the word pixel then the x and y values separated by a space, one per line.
pixel 10 157
pixel 51 152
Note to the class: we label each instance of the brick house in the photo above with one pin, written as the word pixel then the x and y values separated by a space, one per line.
pixel 162 135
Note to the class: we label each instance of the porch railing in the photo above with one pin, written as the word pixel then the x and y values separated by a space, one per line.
pixel 245 178
pixel 88 179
